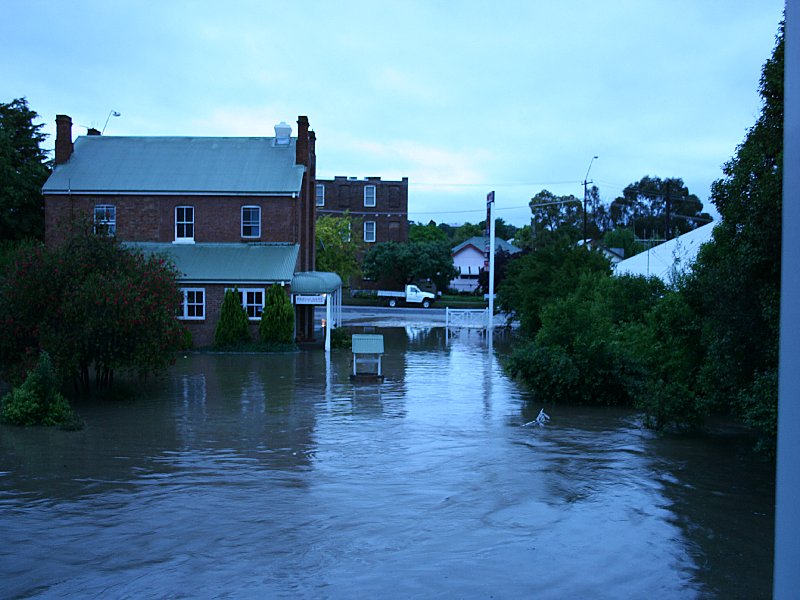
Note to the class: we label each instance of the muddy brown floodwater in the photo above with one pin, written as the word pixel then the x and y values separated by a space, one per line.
pixel 272 476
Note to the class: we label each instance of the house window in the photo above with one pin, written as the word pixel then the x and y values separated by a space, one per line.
pixel 369 195
pixel 105 219
pixel 251 221
pixel 320 195
pixel 252 300
pixel 369 231
pixel 184 223
pixel 193 307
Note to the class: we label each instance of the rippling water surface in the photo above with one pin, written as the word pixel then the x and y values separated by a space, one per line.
pixel 243 476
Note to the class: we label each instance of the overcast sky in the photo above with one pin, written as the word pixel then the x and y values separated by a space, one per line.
pixel 460 97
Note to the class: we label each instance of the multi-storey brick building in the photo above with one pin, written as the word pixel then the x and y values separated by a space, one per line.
pixel 380 208
pixel 231 212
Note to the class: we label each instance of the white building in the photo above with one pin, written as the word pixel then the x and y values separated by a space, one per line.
pixel 469 261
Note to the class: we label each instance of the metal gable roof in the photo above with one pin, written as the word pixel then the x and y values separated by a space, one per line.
pixel 228 263
pixel 479 242
pixel 178 165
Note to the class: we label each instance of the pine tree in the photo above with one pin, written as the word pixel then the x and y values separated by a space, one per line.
pixel 277 320
pixel 232 327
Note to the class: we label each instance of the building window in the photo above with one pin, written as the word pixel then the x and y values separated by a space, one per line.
pixel 105 219
pixel 369 231
pixel 252 300
pixel 251 221
pixel 320 195
pixel 193 307
pixel 184 223
pixel 394 231
pixel 369 195
pixel 347 235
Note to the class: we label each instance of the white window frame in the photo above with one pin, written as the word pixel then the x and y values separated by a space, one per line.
pixel 183 224
pixel 370 199
pixel 348 236
pixel 252 309
pixel 366 231
pixel 186 304
pixel 108 218
pixel 251 223
pixel 320 195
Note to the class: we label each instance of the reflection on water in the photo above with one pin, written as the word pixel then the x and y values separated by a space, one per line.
pixel 274 476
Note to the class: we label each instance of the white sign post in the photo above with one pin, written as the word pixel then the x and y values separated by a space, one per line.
pixel 490 226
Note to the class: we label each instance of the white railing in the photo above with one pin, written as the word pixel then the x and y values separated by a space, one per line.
pixel 467 318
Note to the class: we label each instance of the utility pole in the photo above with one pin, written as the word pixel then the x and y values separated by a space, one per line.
pixel 586 183
pixel 667 209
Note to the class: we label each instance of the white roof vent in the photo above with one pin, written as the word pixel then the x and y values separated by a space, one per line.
pixel 282 132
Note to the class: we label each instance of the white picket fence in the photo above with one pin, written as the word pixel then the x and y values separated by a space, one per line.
pixel 468 318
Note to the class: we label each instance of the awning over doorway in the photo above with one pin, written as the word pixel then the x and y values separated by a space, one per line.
pixel 320 288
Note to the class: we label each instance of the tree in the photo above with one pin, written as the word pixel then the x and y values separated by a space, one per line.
pixel 337 251
pixel 643 206
pixel 397 264
pixel 277 320
pixel 89 303
pixel 554 219
pixel 535 279
pixel 736 282
pixel 23 171
pixel 38 400
pixel 624 238
pixel 232 327
pixel 427 233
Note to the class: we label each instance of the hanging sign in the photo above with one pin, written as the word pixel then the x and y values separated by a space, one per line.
pixel 310 299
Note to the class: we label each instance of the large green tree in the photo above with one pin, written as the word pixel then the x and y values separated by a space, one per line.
pixel 643 206
pixel 337 250
pixel 397 264
pixel 23 171
pixel 89 303
pixel 417 232
pixel 536 279
pixel 736 287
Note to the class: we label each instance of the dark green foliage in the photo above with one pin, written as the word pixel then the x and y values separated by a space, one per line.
pixel 38 400
pixel 277 320
pixel 341 338
pixel 427 233
pixel 396 264
pixel 232 327
pixel 643 207
pixel 23 171
pixel 90 303
pixel 623 238
pixel 534 279
pixel 708 344
pixel 736 286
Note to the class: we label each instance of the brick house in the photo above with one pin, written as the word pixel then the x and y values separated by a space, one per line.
pixel 231 212
pixel 379 208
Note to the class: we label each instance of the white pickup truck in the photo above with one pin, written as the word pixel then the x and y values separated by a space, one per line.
pixel 412 295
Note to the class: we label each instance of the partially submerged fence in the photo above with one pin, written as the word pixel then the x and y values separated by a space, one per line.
pixel 468 318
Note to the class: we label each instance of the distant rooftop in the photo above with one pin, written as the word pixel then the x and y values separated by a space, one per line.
pixel 479 242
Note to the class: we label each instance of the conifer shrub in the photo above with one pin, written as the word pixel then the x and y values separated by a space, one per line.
pixel 277 320
pixel 232 327
pixel 37 401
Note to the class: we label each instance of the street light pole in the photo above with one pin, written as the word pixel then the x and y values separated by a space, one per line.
pixel 586 182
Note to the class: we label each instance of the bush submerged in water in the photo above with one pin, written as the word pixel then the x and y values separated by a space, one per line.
pixel 37 401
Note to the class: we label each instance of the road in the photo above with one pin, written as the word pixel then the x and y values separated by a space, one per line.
pixel 383 316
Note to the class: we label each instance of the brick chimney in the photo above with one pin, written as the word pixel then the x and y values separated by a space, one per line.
pixel 301 149
pixel 63 139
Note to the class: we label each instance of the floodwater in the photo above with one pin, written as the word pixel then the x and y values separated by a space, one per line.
pixel 273 476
